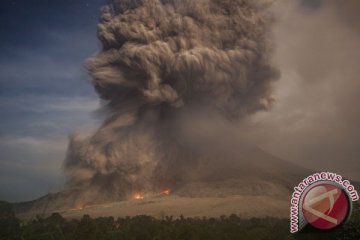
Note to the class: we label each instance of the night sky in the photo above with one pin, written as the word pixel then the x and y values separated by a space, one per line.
pixel 44 93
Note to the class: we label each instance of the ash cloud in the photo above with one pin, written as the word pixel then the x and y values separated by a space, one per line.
pixel 316 117
pixel 162 63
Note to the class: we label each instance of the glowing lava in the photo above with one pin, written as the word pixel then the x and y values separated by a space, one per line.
pixel 166 191
pixel 79 207
pixel 137 196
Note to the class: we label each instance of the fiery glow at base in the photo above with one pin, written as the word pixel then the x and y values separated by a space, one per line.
pixel 166 191
pixel 79 206
pixel 137 196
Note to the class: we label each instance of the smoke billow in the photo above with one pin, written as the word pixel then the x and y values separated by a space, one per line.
pixel 163 61
pixel 317 125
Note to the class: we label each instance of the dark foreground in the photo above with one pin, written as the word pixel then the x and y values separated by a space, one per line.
pixel 145 227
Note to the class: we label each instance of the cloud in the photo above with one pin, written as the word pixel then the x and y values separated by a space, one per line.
pixel 44 94
pixel 40 116
pixel 55 68
pixel 33 141
pixel 30 167
pixel 39 104
pixel 315 120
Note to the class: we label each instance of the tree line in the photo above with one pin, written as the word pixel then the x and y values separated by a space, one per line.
pixel 56 227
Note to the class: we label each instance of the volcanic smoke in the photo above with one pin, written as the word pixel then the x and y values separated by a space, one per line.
pixel 163 61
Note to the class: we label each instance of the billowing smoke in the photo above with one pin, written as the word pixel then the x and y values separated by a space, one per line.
pixel 164 61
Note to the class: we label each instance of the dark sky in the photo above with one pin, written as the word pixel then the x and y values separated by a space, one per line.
pixel 44 94
pixel 49 32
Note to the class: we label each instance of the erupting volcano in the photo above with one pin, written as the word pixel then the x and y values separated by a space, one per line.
pixel 165 65
pixel 171 74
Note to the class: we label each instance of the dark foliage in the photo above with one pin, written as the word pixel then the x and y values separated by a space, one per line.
pixel 55 227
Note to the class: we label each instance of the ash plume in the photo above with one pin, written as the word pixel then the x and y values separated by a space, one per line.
pixel 163 61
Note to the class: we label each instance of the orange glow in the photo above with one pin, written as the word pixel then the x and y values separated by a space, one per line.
pixel 78 207
pixel 166 191
pixel 137 196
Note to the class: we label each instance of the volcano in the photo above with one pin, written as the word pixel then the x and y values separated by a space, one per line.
pixel 258 184
pixel 175 78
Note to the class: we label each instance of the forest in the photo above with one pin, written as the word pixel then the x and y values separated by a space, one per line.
pixel 56 227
